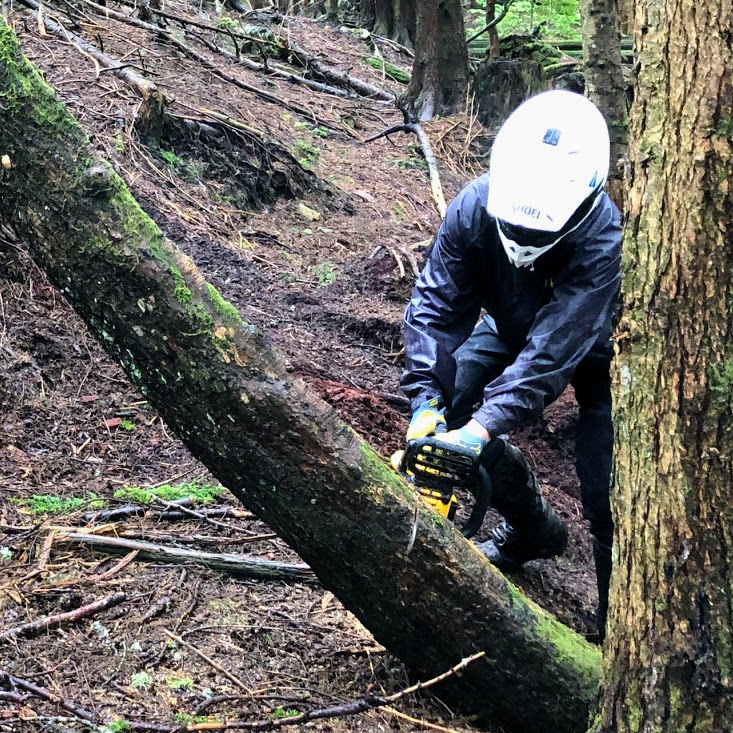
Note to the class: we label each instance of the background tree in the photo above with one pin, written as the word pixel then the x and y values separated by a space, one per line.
pixel 440 71
pixel 604 80
pixel 393 19
pixel 669 652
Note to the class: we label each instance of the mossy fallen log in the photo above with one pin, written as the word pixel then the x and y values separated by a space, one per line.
pixel 280 449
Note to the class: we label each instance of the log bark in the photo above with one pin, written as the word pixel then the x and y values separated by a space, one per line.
pixel 279 448
pixel 669 652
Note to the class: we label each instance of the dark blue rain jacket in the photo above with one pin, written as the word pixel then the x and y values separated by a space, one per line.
pixel 549 315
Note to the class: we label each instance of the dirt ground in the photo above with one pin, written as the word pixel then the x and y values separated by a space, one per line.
pixel 328 282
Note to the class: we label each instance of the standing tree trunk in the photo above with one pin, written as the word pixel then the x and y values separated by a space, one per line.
pixel 424 592
pixel 440 70
pixel 670 651
pixel 494 51
pixel 393 19
pixel 604 80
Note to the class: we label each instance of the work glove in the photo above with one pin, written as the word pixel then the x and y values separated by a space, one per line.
pixel 429 418
pixel 463 438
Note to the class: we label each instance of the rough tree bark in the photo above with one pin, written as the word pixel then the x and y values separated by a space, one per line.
pixel 440 70
pixel 670 650
pixel 604 80
pixel 393 19
pixel 275 445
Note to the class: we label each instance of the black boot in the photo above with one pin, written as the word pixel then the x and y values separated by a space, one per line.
pixel 602 557
pixel 531 528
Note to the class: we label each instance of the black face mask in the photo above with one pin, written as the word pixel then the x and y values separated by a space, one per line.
pixel 536 238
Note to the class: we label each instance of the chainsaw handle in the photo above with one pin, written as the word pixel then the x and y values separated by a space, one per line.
pixel 482 501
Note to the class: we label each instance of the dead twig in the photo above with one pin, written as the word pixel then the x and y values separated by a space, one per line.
pixel 436 187
pixel 116 568
pixel 209 661
pixel 232 563
pixel 12 682
pixel 49 622
pixel 337 711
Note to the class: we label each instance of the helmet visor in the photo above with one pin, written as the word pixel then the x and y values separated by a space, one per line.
pixel 528 237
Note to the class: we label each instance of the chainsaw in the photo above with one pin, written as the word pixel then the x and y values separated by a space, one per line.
pixel 436 469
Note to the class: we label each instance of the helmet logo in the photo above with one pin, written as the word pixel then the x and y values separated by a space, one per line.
pixel 552 137
pixel 527 210
pixel 594 180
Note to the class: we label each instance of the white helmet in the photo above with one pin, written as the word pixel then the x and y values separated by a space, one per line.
pixel 548 162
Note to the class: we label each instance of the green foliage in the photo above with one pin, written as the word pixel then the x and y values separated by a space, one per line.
pixel 229 314
pixel 6 554
pixel 326 273
pixel 200 493
pixel 49 504
pixel 720 378
pixel 171 158
pixel 228 24
pixel 187 718
pixel 127 424
pixel 559 19
pixel 279 713
pixel 414 160
pixel 179 683
pixel 308 154
pixel 141 680
pixel 117 726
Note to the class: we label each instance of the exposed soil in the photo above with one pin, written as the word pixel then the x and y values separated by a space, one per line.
pixel 328 283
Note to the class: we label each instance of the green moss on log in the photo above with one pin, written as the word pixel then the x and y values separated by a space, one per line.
pixel 21 83
pixel 228 313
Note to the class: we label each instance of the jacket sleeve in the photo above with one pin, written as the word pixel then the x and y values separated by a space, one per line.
pixel 564 330
pixel 444 307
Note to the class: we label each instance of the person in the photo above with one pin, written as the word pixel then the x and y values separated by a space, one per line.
pixel 535 242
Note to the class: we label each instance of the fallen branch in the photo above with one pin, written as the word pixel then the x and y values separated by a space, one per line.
pixel 232 563
pixel 415 128
pixel 149 116
pixel 355 707
pixel 12 682
pixel 276 71
pixel 50 622
pixel 186 50
pixel 339 78
pixel 493 22
pixel 171 515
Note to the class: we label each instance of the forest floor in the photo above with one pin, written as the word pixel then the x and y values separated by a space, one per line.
pixel 326 275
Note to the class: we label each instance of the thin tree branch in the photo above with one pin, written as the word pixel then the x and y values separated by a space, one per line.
pixel 507 4
pixel 49 622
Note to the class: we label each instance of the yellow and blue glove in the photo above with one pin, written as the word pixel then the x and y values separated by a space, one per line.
pixel 463 438
pixel 429 418
pixel 426 420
